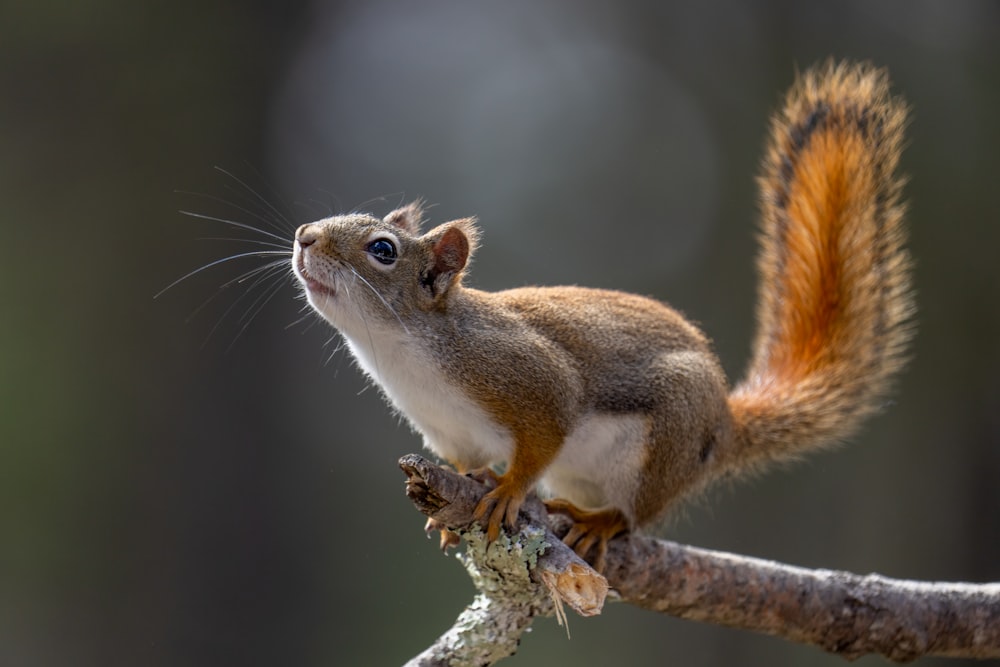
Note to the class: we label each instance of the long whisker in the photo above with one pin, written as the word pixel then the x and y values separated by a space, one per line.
pixel 314 203
pixel 261 199
pixel 334 204
pixel 269 274
pixel 270 222
pixel 363 205
pixel 256 307
pixel 269 229
pixel 233 223
pixel 271 190
pixel 269 268
pixel 250 312
pixel 381 298
pixel 269 244
pixel 255 253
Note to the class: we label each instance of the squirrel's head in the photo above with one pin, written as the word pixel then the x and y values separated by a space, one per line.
pixel 357 269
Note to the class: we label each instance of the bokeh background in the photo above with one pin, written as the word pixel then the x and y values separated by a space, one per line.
pixel 204 490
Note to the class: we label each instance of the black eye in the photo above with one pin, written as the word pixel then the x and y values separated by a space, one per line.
pixel 383 250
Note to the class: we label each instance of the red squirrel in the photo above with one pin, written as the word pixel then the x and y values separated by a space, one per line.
pixel 615 403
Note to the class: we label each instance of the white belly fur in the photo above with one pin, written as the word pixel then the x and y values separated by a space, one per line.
pixel 599 462
pixel 596 466
pixel 453 427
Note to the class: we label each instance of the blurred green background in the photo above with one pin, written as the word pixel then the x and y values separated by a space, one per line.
pixel 174 491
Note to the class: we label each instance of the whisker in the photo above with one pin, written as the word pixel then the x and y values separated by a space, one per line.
pixel 269 244
pixel 272 274
pixel 260 198
pixel 276 283
pixel 256 307
pixel 321 206
pixel 269 232
pixel 300 320
pixel 381 298
pixel 255 253
pixel 305 311
pixel 383 198
pixel 234 223
pixel 281 225
pixel 270 267
pixel 308 312
pixel 335 203
pixel 272 191
pixel 269 221
pixel 336 348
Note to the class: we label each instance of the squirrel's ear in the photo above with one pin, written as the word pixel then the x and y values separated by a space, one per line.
pixel 452 244
pixel 408 218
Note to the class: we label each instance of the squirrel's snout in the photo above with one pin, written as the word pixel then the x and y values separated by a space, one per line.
pixel 306 235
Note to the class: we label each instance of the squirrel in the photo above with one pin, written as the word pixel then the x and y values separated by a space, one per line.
pixel 615 403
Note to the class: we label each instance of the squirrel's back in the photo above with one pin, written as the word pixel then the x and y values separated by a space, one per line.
pixel 835 301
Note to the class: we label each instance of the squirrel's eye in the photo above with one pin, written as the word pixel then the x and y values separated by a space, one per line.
pixel 383 250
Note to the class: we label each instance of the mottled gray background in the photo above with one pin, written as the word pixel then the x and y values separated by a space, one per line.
pixel 170 501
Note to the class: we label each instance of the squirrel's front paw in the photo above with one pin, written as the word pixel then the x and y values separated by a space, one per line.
pixel 499 506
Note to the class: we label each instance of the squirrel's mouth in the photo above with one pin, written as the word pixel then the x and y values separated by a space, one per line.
pixel 312 285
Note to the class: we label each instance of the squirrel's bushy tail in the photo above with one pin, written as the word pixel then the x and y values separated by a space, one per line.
pixel 835 301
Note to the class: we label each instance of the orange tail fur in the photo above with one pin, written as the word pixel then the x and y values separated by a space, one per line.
pixel 835 301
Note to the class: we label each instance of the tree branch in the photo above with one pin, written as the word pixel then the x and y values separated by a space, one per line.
pixel 840 612
pixel 529 574
pixel 843 613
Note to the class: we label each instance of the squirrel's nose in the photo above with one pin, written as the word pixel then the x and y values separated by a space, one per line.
pixel 306 235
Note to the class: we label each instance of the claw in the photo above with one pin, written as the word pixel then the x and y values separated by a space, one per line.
pixel 448 538
pixel 591 529
pixel 485 475
pixel 499 507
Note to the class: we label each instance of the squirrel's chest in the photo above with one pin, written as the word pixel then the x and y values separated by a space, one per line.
pixel 453 426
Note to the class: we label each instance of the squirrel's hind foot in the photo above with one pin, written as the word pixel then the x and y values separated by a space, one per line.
pixel 449 539
pixel 591 530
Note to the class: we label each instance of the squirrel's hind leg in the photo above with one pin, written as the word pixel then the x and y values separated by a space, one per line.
pixel 591 529
pixel 449 539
